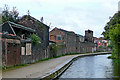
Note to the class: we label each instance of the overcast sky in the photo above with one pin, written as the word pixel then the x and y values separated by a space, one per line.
pixel 72 15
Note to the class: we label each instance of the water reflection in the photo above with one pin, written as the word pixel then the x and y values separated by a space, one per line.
pixel 93 67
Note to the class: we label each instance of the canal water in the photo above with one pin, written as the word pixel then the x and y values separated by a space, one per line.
pixel 98 66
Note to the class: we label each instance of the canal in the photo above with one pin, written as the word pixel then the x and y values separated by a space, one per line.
pixel 98 66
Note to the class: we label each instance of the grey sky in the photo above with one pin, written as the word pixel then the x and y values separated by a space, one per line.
pixel 72 15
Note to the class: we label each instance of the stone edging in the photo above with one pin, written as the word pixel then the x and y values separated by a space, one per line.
pixel 55 73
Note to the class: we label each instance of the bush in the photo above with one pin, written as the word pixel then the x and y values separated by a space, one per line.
pixel 110 46
pixel 53 50
pixel 35 39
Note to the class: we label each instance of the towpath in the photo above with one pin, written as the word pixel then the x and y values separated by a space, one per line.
pixel 38 69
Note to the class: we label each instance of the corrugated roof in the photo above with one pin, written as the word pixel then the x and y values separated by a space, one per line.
pixel 21 26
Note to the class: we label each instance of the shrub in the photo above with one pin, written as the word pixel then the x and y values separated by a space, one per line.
pixel 53 50
pixel 35 39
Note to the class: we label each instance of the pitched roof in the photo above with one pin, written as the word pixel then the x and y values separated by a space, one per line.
pixel 66 31
pixel 69 32
pixel 79 35
pixel 21 26
pixel 34 19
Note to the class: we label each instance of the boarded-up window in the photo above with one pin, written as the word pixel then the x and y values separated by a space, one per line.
pixel 28 48
pixel 23 50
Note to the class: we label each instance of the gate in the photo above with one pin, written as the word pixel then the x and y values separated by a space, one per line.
pixel 13 54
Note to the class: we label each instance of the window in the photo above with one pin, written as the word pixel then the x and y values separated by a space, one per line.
pixel 52 37
pixel 28 48
pixel 58 37
pixel 22 50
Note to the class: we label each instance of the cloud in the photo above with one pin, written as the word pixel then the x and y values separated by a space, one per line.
pixel 90 15
pixel 72 15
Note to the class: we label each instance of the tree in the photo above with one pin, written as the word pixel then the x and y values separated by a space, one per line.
pixel 114 35
pixel 112 32
pixel 110 25
pixel 14 14
pixel 8 15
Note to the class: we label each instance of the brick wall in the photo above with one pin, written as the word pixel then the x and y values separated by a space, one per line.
pixel 10 52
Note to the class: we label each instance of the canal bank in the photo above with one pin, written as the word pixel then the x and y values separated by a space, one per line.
pixel 46 69
pixel 55 73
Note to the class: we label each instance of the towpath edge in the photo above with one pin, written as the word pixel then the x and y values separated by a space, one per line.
pixel 50 69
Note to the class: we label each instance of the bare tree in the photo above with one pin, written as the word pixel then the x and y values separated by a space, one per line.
pixel 8 15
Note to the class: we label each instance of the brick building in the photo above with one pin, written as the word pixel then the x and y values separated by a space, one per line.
pixel 15 45
pixel 89 36
pixel 79 41
pixel 40 51
pixel 41 29
pixel 101 42
pixel 63 37
pixel 26 50
pixel 74 43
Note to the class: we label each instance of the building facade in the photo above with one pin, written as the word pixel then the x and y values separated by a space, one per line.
pixel 102 44
pixel 74 43
pixel 63 37
pixel 42 30
pixel 26 51
pixel 40 51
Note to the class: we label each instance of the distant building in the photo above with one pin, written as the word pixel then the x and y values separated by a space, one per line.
pixel 101 42
pixel 89 36
pixel 63 37
pixel 74 43
pixel 79 41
